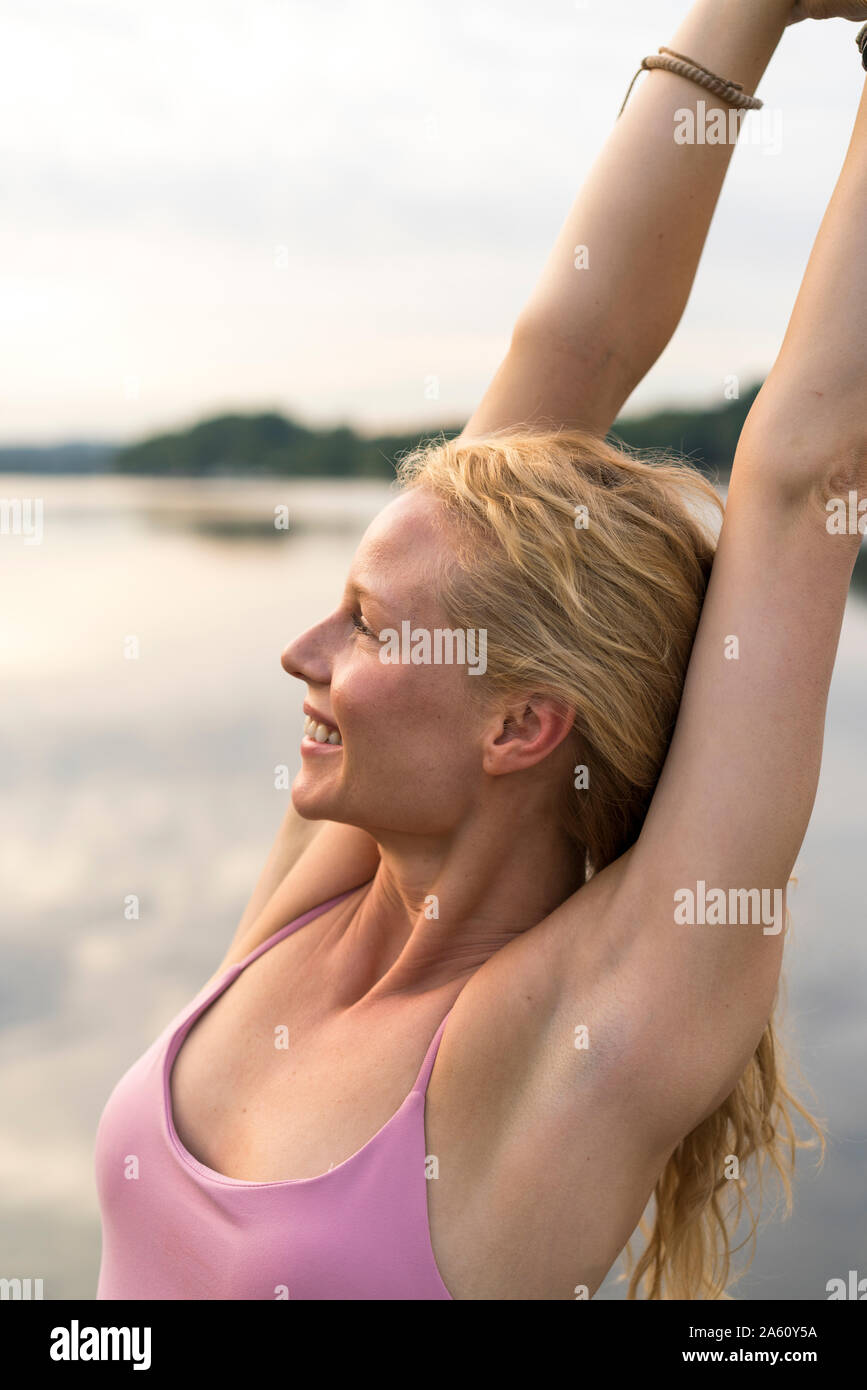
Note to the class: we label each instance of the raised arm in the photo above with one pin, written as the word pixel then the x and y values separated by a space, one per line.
pixel 737 789
pixel 587 336
pixel 309 862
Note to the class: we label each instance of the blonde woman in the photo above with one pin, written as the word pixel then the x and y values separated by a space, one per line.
pixel 510 969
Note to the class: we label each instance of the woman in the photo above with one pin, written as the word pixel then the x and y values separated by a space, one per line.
pixel 510 967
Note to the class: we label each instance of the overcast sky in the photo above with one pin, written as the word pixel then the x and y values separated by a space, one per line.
pixel 319 206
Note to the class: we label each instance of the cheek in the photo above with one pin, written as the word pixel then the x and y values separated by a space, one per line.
pixel 412 761
pixel 404 710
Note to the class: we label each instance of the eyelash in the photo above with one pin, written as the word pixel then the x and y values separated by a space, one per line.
pixel 360 625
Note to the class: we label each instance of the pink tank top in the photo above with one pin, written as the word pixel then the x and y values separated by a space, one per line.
pixel 172 1228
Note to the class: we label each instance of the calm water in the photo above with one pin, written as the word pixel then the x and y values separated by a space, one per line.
pixel 154 776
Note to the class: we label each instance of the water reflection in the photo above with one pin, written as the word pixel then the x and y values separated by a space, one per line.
pixel 153 777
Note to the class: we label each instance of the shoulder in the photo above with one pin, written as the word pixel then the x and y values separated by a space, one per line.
pixel 664 1033
pixel 537 1112
pixel 587 1012
pixel 541 1011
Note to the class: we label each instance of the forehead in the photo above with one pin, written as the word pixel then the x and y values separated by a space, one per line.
pixel 404 548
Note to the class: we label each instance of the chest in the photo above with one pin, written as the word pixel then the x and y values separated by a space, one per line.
pixel 272 1082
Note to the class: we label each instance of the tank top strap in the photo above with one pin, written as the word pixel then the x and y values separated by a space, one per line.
pixel 430 1057
pixel 289 928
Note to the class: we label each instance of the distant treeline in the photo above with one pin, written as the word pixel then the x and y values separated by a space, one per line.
pixel 708 437
pixel 270 443
pixel 58 458
pixel 263 445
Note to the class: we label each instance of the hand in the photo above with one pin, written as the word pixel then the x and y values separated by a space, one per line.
pixel 828 9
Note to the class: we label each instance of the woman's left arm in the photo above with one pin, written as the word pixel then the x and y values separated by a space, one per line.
pixel 592 330
pixel 696 914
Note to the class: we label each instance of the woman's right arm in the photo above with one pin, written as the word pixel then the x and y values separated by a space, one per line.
pixel 619 276
pixel 309 862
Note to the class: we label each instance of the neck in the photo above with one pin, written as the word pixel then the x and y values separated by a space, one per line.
pixel 438 909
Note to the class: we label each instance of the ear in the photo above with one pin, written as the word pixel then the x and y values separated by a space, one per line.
pixel 526 732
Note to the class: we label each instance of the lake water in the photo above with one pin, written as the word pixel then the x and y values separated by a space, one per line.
pixel 153 776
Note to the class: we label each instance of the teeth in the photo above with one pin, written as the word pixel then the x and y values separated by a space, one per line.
pixel 320 732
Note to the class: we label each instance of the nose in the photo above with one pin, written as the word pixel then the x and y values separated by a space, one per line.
pixel 308 658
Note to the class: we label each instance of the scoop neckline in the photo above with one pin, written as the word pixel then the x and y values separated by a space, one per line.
pixel 195 1010
pixel 173 1048
pixel 210 1175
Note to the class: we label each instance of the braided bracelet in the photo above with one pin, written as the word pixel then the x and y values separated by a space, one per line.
pixel 732 92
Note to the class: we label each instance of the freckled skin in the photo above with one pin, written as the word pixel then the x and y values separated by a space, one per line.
pixel 413 737
pixel 549 1152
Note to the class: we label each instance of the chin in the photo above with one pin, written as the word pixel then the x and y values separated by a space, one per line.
pixel 314 802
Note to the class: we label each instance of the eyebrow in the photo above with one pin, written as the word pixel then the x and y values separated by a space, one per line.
pixel 362 592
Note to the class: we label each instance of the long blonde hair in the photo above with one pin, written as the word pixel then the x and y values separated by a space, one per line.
pixel 587 564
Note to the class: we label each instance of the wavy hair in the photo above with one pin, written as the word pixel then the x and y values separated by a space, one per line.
pixel 588 563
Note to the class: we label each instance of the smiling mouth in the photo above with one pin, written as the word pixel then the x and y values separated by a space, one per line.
pixel 320 733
